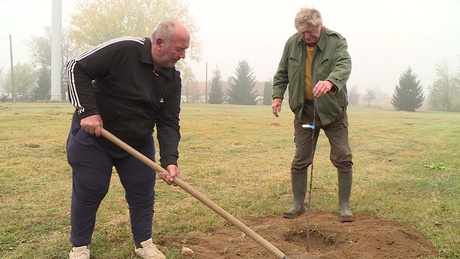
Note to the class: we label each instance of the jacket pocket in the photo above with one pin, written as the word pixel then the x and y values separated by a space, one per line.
pixel 324 69
pixel 293 67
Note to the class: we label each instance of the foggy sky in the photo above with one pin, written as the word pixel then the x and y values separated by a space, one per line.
pixel 384 37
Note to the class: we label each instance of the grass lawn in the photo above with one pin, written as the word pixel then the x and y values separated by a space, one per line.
pixel 407 168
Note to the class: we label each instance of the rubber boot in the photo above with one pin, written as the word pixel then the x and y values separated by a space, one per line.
pixel 345 182
pixel 299 188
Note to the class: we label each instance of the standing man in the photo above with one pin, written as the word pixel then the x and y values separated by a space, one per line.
pixel 127 86
pixel 316 65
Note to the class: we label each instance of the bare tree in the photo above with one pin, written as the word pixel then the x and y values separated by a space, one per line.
pixel 369 96
pixel 444 91
pixel 190 89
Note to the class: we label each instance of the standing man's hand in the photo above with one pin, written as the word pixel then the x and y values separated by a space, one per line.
pixel 321 88
pixel 173 173
pixel 276 108
pixel 92 125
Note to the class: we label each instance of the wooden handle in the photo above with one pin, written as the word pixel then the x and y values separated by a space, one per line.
pixel 267 245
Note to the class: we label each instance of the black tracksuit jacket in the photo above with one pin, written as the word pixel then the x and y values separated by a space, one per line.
pixel 117 81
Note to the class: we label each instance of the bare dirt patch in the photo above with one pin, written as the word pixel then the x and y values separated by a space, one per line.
pixel 366 237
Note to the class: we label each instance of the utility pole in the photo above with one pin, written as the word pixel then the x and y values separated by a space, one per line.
pixel 206 83
pixel 56 51
pixel 12 70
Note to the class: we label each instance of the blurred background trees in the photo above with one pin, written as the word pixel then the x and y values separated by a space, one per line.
pixel 95 21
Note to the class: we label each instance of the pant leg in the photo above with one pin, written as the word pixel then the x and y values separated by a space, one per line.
pixel 91 172
pixel 138 180
pixel 337 133
pixel 303 139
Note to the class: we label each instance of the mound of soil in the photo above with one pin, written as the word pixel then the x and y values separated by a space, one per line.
pixel 365 237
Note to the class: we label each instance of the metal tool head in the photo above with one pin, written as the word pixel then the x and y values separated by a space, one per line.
pixel 308 126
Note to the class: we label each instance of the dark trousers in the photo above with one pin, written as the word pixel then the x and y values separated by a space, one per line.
pixel 91 172
pixel 336 132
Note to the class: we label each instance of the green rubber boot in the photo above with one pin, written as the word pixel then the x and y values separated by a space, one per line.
pixel 345 182
pixel 299 188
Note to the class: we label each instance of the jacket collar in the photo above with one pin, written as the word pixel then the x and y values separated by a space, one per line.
pixel 321 44
pixel 146 57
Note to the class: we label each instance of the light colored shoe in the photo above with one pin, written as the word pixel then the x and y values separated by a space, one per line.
pixel 80 252
pixel 149 251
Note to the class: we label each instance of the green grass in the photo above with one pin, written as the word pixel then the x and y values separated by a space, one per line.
pixel 406 168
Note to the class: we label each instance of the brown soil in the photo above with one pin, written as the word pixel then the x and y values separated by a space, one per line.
pixel 365 237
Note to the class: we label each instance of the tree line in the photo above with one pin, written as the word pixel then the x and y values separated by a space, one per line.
pixel 443 92
pixel 93 22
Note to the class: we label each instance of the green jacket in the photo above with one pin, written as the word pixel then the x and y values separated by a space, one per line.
pixel 331 62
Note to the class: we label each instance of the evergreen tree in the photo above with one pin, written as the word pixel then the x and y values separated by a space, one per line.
pixel 42 91
pixel 268 90
pixel 216 96
pixel 408 96
pixel 242 85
